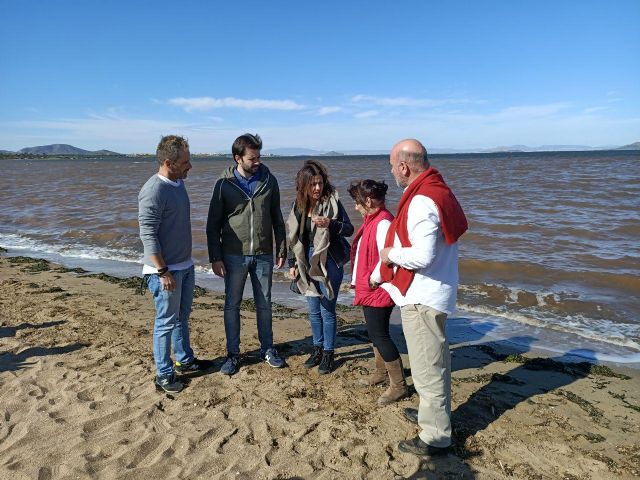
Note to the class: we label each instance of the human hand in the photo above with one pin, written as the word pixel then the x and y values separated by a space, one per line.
pixel 384 256
pixel 292 273
pixel 168 282
pixel 373 285
pixel 321 222
pixel 280 262
pixel 218 268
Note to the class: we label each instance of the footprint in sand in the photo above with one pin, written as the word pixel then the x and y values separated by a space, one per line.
pixel 85 396
pixel 44 473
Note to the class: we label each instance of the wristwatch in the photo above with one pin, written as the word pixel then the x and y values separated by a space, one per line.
pixel 162 271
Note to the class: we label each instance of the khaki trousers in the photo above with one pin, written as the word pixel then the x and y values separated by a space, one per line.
pixel 431 370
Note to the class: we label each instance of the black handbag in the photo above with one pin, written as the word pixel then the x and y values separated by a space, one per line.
pixel 294 285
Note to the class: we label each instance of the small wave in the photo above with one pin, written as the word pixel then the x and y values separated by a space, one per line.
pixel 597 330
pixel 482 271
pixel 18 242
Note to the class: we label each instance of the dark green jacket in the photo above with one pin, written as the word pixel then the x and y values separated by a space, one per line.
pixel 241 225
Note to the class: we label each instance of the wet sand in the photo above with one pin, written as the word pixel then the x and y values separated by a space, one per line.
pixel 77 399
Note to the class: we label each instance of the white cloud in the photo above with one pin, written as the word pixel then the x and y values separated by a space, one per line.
pixel 591 110
pixel 532 125
pixel 533 110
pixel 328 110
pixel 367 114
pixel 210 103
pixel 408 101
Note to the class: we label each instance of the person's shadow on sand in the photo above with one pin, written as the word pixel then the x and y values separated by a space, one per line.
pixel 6 331
pixel 533 377
pixel 10 362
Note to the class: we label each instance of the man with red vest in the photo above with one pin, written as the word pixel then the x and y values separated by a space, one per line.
pixel 420 268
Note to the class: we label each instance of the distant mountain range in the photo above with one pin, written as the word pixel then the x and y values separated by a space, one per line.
pixel 511 148
pixel 63 149
pixel 294 152
pixel 631 146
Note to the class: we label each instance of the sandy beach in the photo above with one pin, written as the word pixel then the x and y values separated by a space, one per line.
pixel 77 399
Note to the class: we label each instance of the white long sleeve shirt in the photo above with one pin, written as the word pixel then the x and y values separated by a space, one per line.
pixel 435 264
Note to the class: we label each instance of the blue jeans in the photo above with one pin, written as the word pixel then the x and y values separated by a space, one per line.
pixel 172 320
pixel 322 311
pixel 260 269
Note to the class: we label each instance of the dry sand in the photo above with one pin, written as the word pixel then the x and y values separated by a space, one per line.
pixel 77 400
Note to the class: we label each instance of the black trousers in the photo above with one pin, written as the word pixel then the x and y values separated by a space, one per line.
pixel 377 319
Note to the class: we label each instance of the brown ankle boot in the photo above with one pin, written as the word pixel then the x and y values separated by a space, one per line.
pixel 379 375
pixel 397 384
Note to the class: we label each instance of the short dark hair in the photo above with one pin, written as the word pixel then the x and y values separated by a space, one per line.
pixel 170 147
pixel 311 168
pixel 361 189
pixel 246 141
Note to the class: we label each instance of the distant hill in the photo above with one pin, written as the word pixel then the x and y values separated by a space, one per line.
pixel 63 149
pixel 293 151
pixel 631 146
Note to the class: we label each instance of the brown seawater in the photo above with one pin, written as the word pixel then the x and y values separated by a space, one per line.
pixel 553 239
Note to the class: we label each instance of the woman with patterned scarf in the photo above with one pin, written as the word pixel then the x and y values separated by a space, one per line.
pixel 317 227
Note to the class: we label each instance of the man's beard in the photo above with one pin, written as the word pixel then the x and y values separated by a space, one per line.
pixel 398 182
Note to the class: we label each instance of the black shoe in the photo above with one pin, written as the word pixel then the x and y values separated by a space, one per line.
pixel 314 359
pixel 411 414
pixel 418 447
pixel 168 384
pixel 326 364
pixel 194 365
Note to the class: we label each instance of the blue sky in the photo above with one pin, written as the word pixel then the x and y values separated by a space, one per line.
pixel 328 75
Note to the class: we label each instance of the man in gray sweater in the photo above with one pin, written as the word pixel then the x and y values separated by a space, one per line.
pixel 164 215
pixel 244 220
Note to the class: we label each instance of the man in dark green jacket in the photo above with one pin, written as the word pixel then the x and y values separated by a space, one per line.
pixel 244 218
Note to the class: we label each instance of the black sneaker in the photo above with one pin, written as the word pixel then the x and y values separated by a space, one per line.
pixel 418 447
pixel 314 359
pixel 194 365
pixel 168 384
pixel 230 365
pixel 411 414
pixel 326 364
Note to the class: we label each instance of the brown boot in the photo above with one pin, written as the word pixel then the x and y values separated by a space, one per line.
pixel 379 375
pixel 397 384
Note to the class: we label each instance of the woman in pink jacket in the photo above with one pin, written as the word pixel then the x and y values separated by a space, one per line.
pixel 377 305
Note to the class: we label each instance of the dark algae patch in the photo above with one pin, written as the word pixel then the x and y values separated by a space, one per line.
pixel 199 292
pixel 622 398
pixel 585 405
pixel 591 437
pixel 31 265
pixel 129 282
pixel 580 369
pixel 70 270
pixel 489 377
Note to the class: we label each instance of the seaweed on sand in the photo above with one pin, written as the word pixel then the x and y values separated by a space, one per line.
pixel 32 265
pixel 575 369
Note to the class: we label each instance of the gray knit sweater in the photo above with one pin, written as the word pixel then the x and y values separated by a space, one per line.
pixel 164 215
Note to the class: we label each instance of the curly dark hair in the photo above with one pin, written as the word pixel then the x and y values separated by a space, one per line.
pixel 170 147
pixel 361 189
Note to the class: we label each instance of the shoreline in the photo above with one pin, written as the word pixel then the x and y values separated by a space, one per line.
pixel 467 326
pixel 76 364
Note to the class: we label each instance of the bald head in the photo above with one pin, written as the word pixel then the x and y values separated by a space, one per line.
pixel 408 159
pixel 411 151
